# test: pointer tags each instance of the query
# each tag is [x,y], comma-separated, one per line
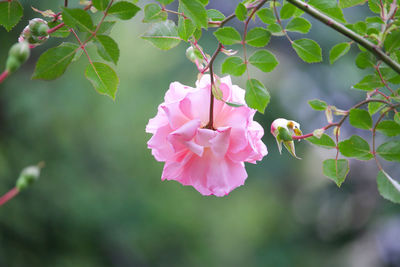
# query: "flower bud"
[20,51]
[329,115]
[35,33]
[318,133]
[336,131]
[12,64]
[283,130]
[38,27]
[228,52]
[27,177]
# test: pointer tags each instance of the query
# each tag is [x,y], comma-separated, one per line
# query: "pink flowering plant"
[205,134]
[208,157]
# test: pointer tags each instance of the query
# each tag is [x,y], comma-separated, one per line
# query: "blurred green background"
[100,200]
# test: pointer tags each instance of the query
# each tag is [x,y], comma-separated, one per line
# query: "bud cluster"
[33,35]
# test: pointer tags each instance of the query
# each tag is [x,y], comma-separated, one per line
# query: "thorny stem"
[373,139]
[59,26]
[280,23]
[8,196]
[211,113]
[383,80]
[374,49]
[81,45]
[339,123]
[246,25]
[217,51]
[55,28]
[101,22]
[173,12]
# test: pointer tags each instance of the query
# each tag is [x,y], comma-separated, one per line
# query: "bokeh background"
[100,200]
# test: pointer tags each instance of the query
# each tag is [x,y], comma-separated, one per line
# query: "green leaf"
[360,27]
[103,78]
[233,66]
[241,12]
[228,35]
[390,151]
[338,51]
[374,6]
[300,25]
[336,170]
[257,96]
[100,4]
[10,14]
[266,15]
[154,13]
[369,83]
[105,27]
[365,60]
[123,10]
[389,128]
[263,60]
[350,3]
[287,11]
[186,28]
[195,11]
[258,37]
[360,119]
[308,50]
[397,118]
[163,35]
[53,63]
[165,2]
[107,48]
[215,15]
[355,147]
[374,107]
[317,104]
[77,17]
[388,187]
[60,33]
[325,141]
[204,2]
[276,29]
[233,104]
[392,41]
[330,8]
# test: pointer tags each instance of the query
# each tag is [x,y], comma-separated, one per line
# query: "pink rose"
[212,161]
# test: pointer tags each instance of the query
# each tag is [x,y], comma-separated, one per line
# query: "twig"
[374,49]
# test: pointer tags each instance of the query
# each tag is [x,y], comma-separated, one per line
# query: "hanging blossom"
[210,160]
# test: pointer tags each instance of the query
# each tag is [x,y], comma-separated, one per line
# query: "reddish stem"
[299,137]
[3,76]
[9,195]
[56,28]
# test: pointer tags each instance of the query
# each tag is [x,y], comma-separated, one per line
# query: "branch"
[339,123]
[374,49]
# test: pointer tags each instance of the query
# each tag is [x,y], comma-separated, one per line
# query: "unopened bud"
[283,130]
[12,64]
[216,91]
[328,114]
[228,52]
[35,33]
[338,112]
[336,131]
[27,177]
[38,27]
[318,133]
[20,51]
